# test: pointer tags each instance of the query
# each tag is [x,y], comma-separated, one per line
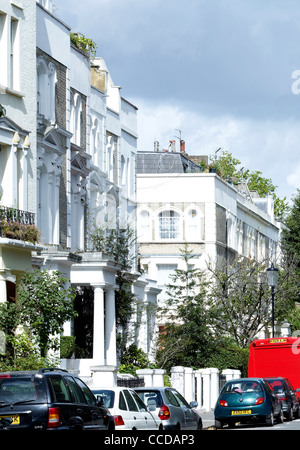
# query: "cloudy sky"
[226,73]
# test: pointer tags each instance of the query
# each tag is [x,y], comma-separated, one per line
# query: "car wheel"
[199,427]
[270,419]
[290,414]
[280,417]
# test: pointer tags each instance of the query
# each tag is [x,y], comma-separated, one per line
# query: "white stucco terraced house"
[68,151]
[178,203]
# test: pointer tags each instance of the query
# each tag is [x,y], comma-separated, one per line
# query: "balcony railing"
[18,224]
[17,215]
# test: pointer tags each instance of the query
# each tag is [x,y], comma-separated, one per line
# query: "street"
[209,422]
[287,426]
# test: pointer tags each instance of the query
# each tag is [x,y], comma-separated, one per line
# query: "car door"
[276,403]
[190,422]
[62,399]
[137,419]
[98,418]
[83,412]
[150,421]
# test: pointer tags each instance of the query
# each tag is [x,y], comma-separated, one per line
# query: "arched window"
[169,225]
[94,144]
[75,122]
[46,82]
[42,87]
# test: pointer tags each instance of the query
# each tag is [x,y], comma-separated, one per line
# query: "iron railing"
[17,215]
[130,382]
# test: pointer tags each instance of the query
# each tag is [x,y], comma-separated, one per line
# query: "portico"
[98,271]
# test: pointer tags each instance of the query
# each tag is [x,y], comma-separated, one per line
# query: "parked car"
[171,408]
[128,410]
[287,395]
[247,400]
[50,399]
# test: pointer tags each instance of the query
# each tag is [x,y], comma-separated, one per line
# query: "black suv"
[287,395]
[50,399]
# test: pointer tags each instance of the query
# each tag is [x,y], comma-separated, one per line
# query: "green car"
[247,400]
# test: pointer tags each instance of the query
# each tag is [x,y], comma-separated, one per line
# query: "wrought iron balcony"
[18,224]
[17,215]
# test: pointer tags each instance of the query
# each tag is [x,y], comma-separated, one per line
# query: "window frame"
[165,234]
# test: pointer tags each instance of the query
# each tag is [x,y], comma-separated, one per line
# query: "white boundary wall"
[202,385]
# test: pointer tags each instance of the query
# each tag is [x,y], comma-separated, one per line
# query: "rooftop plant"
[88,46]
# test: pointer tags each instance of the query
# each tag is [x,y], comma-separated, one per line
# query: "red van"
[276,357]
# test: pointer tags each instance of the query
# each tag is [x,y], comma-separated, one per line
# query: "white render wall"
[20,102]
[158,192]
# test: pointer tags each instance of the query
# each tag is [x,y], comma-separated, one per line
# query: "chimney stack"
[172,145]
[182,146]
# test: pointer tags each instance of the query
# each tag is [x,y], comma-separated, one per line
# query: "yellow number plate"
[15,419]
[276,341]
[242,412]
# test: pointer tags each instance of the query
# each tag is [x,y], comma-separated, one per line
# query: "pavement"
[208,419]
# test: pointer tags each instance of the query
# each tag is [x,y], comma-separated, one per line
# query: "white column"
[198,375]
[158,377]
[236,374]
[51,181]
[214,387]
[110,328]
[206,389]
[3,292]
[228,373]
[98,337]
[147,374]
[56,209]
[177,379]
[189,384]
[14,175]
[24,180]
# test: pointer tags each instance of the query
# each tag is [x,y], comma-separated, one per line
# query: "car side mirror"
[193,404]
[100,401]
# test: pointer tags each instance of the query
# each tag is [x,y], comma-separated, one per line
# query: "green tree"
[44,304]
[228,166]
[187,339]
[240,299]
[291,234]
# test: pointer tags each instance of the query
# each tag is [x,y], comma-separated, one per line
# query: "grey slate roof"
[165,162]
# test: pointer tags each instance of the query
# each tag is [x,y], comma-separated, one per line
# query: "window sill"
[6,90]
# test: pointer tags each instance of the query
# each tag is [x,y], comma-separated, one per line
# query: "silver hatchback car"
[174,412]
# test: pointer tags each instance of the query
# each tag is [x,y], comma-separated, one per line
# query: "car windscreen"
[150,397]
[275,384]
[242,387]
[22,389]
[107,395]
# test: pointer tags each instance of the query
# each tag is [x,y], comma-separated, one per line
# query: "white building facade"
[67,162]
[179,204]
[18,153]
[87,145]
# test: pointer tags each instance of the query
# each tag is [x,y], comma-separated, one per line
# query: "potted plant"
[214,167]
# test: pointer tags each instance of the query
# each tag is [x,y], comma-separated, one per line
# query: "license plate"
[15,419]
[242,412]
